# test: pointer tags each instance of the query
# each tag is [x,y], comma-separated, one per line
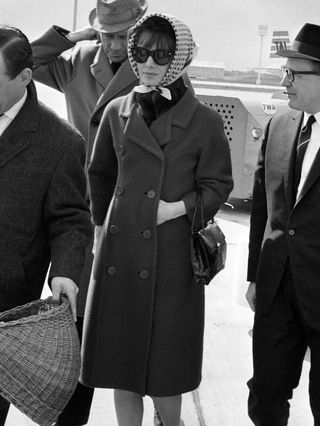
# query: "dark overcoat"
[43,213]
[283,230]
[145,316]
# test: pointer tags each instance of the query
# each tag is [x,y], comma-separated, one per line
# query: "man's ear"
[26,76]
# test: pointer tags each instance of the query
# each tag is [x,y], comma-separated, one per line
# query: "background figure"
[43,214]
[90,75]
[285,242]
[155,148]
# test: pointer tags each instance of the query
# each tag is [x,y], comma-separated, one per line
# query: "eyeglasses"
[289,73]
[160,56]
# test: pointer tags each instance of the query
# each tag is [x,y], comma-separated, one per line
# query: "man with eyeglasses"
[284,246]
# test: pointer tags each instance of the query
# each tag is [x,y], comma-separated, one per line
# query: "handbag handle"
[198,198]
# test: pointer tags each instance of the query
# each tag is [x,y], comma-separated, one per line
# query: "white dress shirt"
[312,149]
[9,115]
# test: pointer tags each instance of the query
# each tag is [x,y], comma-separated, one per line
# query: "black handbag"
[208,247]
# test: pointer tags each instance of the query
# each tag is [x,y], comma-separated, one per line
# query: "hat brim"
[287,53]
[113,28]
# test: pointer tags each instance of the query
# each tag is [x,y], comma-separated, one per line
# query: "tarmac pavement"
[222,396]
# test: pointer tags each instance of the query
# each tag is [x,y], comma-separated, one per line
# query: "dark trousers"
[280,340]
[4,408]
[77,410]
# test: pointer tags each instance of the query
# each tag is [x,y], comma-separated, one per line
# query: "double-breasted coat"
[283,229]
[43,213]
[145,316]
[83,73]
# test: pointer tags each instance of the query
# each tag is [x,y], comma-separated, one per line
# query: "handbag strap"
[199,200]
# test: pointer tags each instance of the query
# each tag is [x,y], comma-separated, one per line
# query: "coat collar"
[101,69]
[14,140]
[160,132]
[113,84]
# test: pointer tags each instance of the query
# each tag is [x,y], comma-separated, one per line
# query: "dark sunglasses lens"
[140,54]
[162,56]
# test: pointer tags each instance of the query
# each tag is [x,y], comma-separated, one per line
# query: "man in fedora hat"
[90,75]
[284,246]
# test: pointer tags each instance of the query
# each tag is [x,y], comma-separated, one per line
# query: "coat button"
[291,232]
[111,270]
[114,229]
[147,233]
[120,190]
[151,194]
[95,122]
[144,274]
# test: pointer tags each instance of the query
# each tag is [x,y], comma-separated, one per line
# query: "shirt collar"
[13,111]
[306,115]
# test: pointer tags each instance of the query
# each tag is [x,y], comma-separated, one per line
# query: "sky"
[226,31]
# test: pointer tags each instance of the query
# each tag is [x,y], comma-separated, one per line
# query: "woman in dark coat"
[154,150]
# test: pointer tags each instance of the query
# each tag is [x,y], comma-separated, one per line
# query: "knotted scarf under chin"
[163,91]
[153,102]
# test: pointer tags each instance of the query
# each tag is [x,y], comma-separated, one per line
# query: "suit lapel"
[289,140]
[313,175]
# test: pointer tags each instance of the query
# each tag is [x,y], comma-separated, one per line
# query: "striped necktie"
[302,145]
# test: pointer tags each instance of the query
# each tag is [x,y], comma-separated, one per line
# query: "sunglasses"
[289,73]
[160,56]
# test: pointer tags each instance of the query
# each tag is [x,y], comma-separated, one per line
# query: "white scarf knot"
[164,91]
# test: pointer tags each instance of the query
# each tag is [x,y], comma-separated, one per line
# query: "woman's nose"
[150,62]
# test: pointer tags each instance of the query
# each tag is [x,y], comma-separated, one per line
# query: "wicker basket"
[39,358]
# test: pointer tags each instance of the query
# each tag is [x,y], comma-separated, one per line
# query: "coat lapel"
[14,139]
[100,68]
[160,132]
[116,83]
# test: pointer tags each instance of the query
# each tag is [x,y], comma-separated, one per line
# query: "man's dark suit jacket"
[43,215]
[283,229]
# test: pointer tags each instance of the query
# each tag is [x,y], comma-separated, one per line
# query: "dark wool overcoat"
[43,213]
[144,318]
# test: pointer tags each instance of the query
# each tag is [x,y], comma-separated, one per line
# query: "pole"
[75,12]
[260,60]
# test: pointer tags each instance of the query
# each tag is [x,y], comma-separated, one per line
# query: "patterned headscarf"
[184,52]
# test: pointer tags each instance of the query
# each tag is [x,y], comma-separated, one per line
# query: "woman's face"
[151,73]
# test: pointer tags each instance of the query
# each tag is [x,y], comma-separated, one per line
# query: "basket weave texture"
[39,358]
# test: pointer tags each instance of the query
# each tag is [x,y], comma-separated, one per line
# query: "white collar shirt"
[311,151]
[8,116]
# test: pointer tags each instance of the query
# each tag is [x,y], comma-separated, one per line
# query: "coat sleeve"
[102,171]
[258,218]
[53,64]
[213,174]
[67,215]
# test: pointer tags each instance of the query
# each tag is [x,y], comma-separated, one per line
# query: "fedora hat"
[306,44]
[111,16]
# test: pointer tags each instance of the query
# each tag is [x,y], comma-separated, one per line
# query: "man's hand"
[86,33]
[62,286]
[251,295]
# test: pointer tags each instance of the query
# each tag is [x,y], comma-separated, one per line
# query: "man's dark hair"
[15,49]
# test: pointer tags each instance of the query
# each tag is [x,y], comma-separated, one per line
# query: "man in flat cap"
[90,75]
[284,247]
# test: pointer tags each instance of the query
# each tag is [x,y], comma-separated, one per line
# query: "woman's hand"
[168,211]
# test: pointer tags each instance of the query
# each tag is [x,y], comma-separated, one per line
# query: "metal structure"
[245,114]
